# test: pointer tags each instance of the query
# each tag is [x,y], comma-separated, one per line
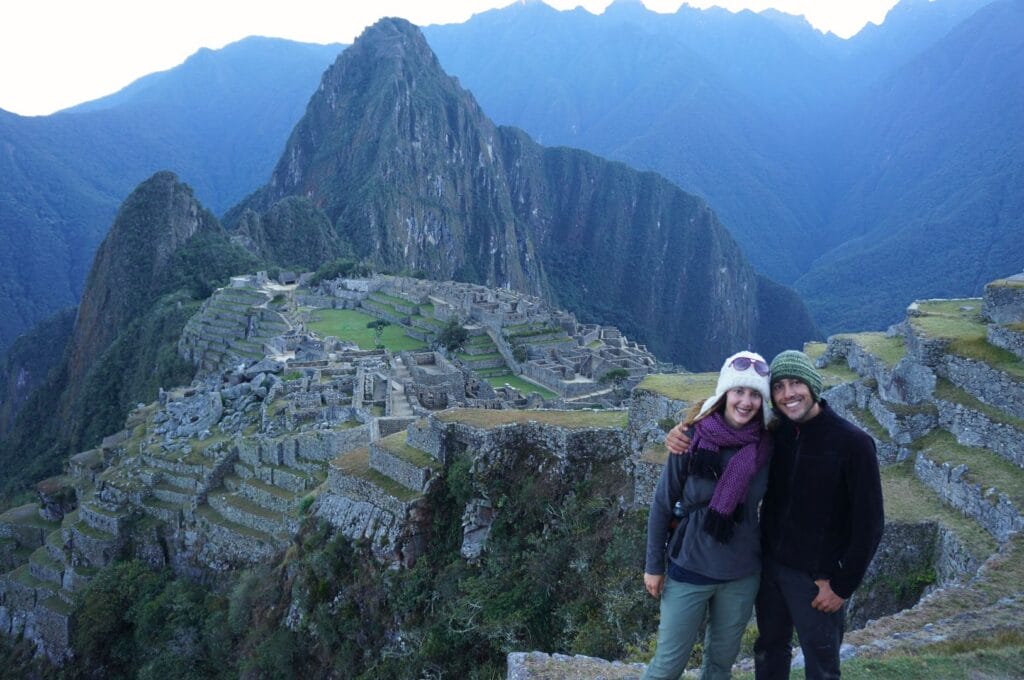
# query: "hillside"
[395,163]
[219,121]
[933,172]
[163,254]
[329,525]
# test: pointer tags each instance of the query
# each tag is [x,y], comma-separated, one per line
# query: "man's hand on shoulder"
[676,440]
[826,601]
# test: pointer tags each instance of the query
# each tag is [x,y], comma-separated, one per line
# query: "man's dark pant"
[784,601]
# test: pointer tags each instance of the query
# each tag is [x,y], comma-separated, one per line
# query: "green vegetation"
[470,358]
[521,384]
[868,421]
[1000,656]
[965,332]
[949,392]
[340,267]
[688,387]
[888,349]
[908,500]
[453,336]
[479,417]
[349,324]
[983,467]
[133,622]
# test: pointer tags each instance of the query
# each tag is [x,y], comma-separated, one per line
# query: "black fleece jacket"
[823,509]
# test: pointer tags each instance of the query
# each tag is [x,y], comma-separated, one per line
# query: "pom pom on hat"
[730,376]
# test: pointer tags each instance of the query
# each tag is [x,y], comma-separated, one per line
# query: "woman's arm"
[669,490]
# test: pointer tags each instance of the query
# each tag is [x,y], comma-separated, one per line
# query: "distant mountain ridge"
[774,123]
[761,115]
[407,171]
[219,121]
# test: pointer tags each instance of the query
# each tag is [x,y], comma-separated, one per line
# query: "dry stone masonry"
[218,475]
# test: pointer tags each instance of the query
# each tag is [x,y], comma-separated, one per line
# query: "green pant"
[683,608]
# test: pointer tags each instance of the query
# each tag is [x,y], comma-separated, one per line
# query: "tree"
[453,336]
[378,326]
[616,377]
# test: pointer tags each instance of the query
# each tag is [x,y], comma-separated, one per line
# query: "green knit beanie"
[794,364]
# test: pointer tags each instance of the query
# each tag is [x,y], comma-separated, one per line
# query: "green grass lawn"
[349,324]
[889,350]
[965,331]
[524,386]
[487,417]
[688,387]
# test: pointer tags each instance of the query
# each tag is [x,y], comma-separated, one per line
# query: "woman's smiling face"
[742,404]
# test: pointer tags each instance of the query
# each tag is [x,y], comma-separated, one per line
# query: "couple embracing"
[786,511]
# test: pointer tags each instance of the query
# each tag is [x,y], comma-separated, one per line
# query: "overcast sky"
[57,53]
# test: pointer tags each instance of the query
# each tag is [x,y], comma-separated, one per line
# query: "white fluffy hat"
[731,376]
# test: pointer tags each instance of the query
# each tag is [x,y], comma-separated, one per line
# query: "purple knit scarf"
[712,434]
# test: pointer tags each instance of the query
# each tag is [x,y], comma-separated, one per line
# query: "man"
[821,521]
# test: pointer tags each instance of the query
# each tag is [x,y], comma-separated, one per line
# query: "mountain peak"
[396,164]
[391,37]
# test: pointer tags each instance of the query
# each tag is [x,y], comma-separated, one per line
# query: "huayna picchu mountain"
[163,254]
[395,163]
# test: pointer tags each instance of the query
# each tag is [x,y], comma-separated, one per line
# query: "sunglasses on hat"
[743,363]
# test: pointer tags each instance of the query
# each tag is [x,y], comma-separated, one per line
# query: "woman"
[714,554]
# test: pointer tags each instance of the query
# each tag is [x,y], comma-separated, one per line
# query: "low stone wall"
[991,386]
[1004,300]
[402,471]
[316,445]
[646,409]
[953,560]
[380,311]
[428,435]
[993,511]
[554,382]
[1010,340]
[220,549]
[541,666]
[922,349]
[646,474]
[973,428]
[358,489]
[111,523]
[382,427]
[904,426]
[899,573]
[91,549]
